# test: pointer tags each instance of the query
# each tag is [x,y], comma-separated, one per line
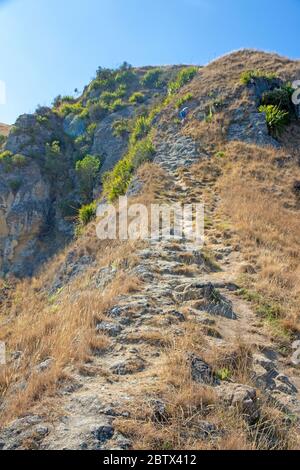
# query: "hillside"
[154,344]
[4,129]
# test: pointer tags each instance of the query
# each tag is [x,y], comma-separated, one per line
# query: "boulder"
[242,397]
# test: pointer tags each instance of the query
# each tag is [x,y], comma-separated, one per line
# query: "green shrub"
[220,154]
[2,139]
[97,111]
[121,128]
[72,108]
[224,374]
[15,184]
[87,213]
[125,76]
[279,97]
[116,182]
[184,99]
[5,155]
[11,161]
[141,128]
[87,170]
[42,119]
[143,152]
[6,160]
[59,100]
[210,114]
[55,165]
[104,73]
[91,129]
[250,75]
[151,78]
[184,76]
[117,105]
[137,97]
[107,97]
[19,161]
[276,118]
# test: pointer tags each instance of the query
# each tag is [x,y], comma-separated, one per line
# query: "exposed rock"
[23,215]
[112,329]
[129,366]
[110,147]
[267,377]
[29,137]
[201,372]
[74,126]
[45,365]
[159,414]
[242,397]
[102,433]
[21,430]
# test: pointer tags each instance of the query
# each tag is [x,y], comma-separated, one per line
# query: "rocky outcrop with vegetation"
[154,344]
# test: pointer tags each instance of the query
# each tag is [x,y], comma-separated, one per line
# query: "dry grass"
[42,324]
[257,195]
[63,330]
[188,405]
[4,129]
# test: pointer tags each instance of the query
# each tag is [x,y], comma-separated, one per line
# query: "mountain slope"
[151,344]
[4,129]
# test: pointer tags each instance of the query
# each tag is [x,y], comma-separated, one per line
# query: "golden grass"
[61,325]
[257,195]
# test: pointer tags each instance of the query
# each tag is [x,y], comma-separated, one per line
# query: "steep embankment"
[152,344]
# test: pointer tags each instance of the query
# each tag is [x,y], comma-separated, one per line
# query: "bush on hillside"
[279,97]
[19,161]
[184,76]
[141,128]
[249,75]
[137,97]
[11,162]
[276,118]
[151,79]
[87,213]
[184,99]
[91,129]
[55,165]
[72,108]
[116,182]
[125,76]
[87,170]
[121,128]
[143,152]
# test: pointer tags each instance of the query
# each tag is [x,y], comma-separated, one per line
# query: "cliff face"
[40,192]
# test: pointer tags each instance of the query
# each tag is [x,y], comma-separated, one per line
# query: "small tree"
[87,170]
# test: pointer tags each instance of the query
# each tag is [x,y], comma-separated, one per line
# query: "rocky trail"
[180,287]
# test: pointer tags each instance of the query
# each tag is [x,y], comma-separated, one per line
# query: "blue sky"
[51,47]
